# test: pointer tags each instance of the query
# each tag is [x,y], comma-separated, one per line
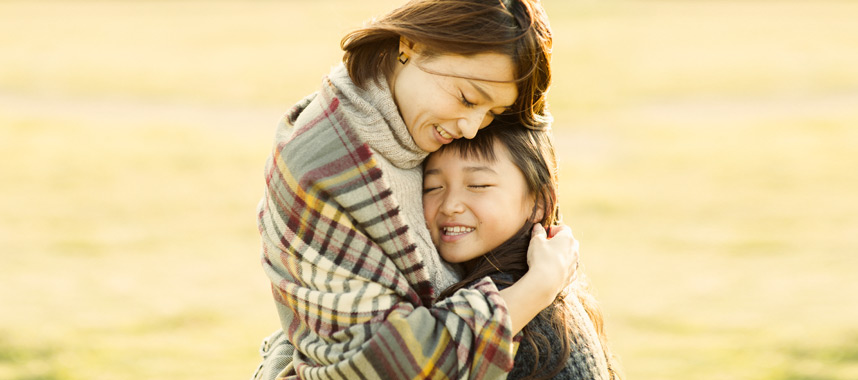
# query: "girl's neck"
[509,257]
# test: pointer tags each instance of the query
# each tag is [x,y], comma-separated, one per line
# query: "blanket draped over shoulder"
[350,287]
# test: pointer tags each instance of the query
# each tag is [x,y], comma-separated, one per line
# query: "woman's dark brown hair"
[532,152]
[516,28]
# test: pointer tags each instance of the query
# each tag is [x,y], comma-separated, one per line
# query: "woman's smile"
[444,133]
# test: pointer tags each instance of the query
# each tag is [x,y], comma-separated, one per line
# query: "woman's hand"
[554,259]
[553,262]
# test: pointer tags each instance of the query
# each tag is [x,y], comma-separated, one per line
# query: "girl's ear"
[538,211]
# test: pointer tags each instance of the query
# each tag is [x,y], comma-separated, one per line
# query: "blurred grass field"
[708,165]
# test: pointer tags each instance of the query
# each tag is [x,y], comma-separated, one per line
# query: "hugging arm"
[353,314]
[349,286]
[380,328]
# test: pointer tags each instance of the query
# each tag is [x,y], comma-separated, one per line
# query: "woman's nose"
[486,121]
[471,124]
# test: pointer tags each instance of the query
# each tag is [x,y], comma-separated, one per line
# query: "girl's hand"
[553,260]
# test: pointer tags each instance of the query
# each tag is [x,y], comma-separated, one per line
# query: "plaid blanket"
[350,287]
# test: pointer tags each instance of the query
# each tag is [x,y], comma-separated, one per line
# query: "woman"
[345,246]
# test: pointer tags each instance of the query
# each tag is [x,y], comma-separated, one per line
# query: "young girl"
[481,199]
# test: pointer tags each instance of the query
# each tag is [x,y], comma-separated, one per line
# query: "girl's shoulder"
[504,280]
[526,357]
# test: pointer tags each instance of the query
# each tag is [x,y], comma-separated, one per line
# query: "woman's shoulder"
[323,112]
[291,116]
[314,131]
[316,114]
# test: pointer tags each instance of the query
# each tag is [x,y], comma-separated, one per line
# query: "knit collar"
[376,119]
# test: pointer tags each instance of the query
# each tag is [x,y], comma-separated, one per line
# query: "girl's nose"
[451,205]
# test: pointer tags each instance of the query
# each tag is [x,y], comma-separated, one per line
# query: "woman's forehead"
[483,67]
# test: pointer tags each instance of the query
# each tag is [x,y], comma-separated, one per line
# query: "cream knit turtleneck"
[376,119]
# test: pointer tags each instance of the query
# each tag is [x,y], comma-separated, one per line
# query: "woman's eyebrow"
[481,90]
[484,93]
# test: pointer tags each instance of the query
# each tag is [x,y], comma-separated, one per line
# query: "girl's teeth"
[458,230]
[443,133]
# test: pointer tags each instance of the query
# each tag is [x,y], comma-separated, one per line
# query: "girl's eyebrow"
[482,168]
[469,169]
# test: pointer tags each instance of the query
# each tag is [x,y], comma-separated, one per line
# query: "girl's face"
[447,97]
[471,206]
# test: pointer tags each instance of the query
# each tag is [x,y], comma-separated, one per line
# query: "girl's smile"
[451,234]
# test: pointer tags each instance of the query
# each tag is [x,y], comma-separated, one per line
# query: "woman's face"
[471,205]
[446,97]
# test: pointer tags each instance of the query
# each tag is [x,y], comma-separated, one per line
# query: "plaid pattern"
[351,290]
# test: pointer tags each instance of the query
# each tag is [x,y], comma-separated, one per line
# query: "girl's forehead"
[490,153]
[454,155]
[454,159]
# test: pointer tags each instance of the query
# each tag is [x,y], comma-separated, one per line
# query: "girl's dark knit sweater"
[586,359]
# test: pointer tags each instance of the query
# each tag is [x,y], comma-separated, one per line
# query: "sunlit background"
[708,156]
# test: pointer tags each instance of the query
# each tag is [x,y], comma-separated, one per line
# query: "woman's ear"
[406,46]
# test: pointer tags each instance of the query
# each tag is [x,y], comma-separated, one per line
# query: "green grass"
[707,165]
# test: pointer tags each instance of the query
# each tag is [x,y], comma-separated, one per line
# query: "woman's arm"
[349,286]
[349,322]
[351,289]
[522,302]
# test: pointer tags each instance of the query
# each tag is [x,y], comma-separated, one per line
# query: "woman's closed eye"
[465,101]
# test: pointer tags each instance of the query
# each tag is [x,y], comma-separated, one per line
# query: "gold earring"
[403,58]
